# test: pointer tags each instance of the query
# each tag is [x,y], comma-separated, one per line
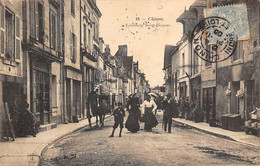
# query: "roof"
[128,63]
[198,3]
[167,58]
[186,15]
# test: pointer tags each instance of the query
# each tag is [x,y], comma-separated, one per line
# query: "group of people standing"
[145,112]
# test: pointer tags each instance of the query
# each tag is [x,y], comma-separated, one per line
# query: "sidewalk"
[27,151]
[241,137]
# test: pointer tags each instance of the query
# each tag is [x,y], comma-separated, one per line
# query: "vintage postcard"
[129,82]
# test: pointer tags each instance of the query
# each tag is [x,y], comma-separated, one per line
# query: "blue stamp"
[238,28]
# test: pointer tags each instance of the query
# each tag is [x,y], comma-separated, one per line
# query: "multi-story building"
[175,69]
[72,61]
[89,46]
[12,70]
[167,68]
[240,73]
[43,53]
[224,87]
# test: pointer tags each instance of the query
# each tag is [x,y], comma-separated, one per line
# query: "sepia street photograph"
[129,82]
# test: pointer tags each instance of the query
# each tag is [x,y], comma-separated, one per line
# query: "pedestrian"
[149,108]
[92,105]
[170,109]
[26,120]
[119,115]
[132,122]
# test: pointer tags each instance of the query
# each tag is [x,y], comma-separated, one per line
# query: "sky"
[145,26]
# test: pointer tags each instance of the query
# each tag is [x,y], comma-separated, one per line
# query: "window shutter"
[71,48]
[17,21]
[2,29]
[2,16]
[36,20]
[75,56]
[51,33]
[58,32]
[17,41]
[32,25]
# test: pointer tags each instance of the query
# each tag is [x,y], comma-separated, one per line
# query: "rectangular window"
[239,51]
[89,39]
[10,35]
[40,22]
[32,21]
[73,7]
[85,35]
[2,28]
[207,63]
[73,46]
[195,66]
[183,63]
[53,29]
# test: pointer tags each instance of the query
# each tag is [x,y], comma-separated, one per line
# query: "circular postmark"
[213,39]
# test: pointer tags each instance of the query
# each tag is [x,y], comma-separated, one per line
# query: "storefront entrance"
[42,97]
[209,103]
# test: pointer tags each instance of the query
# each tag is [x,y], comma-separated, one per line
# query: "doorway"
[209,103]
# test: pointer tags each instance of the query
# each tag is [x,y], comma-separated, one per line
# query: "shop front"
[40,90]
[73,86]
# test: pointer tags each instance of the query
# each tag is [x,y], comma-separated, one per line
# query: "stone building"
[43,53]
[72,61]
[167,68]
[12,69]
[90,44]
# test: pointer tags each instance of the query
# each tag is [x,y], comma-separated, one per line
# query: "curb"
[218,135]
[60,137]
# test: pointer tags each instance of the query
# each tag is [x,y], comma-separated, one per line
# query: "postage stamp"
[216,28]
[236,15]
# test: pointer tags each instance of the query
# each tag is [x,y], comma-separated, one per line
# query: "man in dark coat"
[92,105]
[170,109]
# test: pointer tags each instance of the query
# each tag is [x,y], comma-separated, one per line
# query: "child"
[119,114]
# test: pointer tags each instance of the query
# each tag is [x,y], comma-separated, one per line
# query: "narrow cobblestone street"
[184,146]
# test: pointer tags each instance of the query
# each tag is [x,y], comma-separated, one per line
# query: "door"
[43,97]
[209,103]
[76,98]
[68,99]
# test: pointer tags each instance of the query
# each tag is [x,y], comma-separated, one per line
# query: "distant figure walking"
[119,115]
[132,123]
[170,110]
[92,106]
[150,120]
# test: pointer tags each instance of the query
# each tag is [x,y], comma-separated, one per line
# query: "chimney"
[123,49]
[107,49]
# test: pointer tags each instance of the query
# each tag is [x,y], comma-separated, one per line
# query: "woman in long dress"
[150,120]
[132,122]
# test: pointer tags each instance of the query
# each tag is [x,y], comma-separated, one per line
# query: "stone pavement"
[27,151]
[241,136]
